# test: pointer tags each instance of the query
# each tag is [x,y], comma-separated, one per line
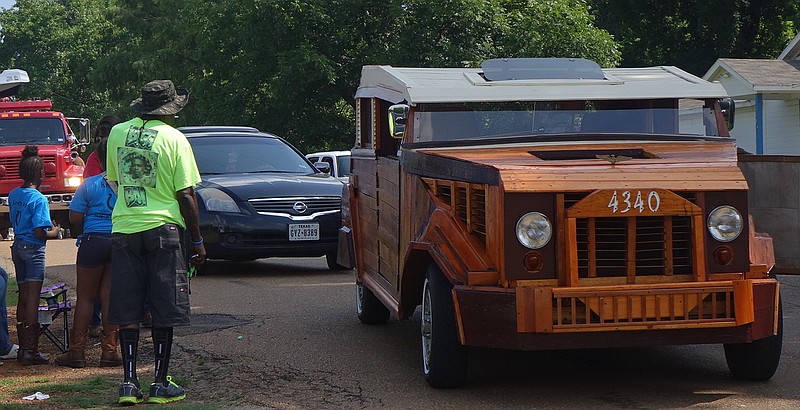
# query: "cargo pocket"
[181,289]
[169,238]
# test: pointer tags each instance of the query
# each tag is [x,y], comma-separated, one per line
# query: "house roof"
[431,85]
[765,72]
[757,75]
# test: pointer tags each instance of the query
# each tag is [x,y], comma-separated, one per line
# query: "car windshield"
[443,122]
[228,155]
[38,131]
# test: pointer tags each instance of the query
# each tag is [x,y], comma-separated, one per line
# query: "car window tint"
[223,155]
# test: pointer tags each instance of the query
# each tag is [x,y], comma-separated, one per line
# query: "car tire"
[370,310]
[444,358]
[332,264]
[758,360]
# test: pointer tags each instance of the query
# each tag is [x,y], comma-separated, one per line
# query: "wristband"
[200,242]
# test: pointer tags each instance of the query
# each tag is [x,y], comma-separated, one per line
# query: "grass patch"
[91,392]
[12,295]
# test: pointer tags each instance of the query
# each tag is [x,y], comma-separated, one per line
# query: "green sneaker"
[160,393]
[130,393]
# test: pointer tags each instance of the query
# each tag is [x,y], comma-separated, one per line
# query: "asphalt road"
[282,333]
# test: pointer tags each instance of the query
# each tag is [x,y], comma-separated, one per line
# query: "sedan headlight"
[534,230]
[217,201]
[725,223]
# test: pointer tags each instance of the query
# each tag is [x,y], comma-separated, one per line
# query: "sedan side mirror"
[323,167]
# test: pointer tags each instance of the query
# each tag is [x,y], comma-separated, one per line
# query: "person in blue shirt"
[30,218]
[91,208]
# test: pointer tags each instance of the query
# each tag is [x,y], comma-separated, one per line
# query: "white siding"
[781,127]
[744,128]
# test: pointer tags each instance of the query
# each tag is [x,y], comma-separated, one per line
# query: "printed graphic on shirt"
[134,196]
[137,167]
[141,138]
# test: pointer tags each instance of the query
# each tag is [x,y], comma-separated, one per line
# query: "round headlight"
[725,223]
[534,230]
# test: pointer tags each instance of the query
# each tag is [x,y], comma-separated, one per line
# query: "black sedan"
[260,197]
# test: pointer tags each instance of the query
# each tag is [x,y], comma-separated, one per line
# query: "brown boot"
[76,356]
[108,343]
[29,345]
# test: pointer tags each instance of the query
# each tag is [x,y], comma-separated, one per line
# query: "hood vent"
[603,154]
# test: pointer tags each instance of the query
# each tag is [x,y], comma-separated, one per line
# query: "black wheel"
[331,260]
[757,360]
[370,310]
[444,359]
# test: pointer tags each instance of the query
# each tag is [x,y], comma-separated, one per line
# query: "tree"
[57,43]
[692,34]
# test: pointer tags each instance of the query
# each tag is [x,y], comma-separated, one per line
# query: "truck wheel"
[444,359]
[756,360]
[370,310]
[331,260]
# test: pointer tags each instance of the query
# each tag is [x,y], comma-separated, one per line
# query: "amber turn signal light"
[723,255]
[533,261]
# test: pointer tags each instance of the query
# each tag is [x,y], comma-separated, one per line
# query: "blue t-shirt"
[29,210]
[95,200]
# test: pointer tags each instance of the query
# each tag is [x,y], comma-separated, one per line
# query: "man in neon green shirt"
[154,168]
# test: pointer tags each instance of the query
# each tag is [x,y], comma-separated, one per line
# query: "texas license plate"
[303,232]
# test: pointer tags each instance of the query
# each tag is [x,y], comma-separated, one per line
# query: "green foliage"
[290,67]
[692,34]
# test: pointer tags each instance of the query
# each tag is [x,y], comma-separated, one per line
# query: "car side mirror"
[84,129]
[728,108]
[397,120]
[323,167]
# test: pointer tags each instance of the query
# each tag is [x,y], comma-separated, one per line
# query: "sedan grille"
[301,206]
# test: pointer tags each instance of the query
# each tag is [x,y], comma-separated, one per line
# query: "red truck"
[34,122]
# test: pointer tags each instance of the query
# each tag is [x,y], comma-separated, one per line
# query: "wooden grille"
[652,308]
[661,246]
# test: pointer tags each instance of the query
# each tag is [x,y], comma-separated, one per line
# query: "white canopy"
[442,85]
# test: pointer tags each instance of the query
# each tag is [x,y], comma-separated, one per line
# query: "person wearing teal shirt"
[30,218]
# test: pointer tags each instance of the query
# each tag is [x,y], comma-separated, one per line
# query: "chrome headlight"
[217,201]
[725,223]
[534,230]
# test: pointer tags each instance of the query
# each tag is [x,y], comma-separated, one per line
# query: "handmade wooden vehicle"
[551,204]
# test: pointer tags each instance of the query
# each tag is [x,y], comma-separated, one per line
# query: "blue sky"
[6,3]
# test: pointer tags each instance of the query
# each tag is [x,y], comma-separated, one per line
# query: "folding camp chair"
[55,307]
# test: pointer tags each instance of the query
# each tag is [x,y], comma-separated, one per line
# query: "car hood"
[250,186]
[675,165]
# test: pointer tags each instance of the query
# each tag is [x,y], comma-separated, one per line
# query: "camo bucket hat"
[160,97]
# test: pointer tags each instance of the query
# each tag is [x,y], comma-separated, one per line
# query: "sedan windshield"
[37,131]
[227,155]
[488,120]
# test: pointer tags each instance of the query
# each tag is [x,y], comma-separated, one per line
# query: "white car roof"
[443,85]
[334,153]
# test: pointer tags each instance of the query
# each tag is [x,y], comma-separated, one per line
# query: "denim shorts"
[151,263]
[28,261]
[94,250]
